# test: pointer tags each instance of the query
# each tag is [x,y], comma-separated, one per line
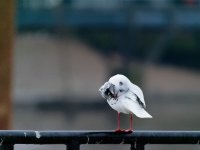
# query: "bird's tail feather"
[139,111]
[133,106]
[143,114]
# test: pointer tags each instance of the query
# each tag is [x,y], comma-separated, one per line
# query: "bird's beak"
[108,88]
[112,90]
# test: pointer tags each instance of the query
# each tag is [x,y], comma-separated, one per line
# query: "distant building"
[45,67]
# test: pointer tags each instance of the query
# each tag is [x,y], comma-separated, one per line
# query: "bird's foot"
[119,131]
[128,131]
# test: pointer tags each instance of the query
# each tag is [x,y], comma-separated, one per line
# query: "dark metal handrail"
[73,139]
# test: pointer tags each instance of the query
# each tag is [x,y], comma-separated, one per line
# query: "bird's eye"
[120,83]
[121,90]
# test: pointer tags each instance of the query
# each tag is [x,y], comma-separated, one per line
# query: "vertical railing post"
[6,147]
[137,146]
[6,46]
[73,145]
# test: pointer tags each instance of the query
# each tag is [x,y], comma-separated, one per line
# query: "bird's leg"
[118,123]
[131,124]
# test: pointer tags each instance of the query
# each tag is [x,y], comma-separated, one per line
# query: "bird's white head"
[120,85]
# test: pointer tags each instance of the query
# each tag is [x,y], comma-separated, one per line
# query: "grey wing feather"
[140,102]
[138,92]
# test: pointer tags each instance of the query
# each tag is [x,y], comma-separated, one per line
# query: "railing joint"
[73,145]
[137,146]
[6,146]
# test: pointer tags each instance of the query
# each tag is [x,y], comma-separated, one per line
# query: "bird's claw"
[128,131]
[119,131]
[123,131]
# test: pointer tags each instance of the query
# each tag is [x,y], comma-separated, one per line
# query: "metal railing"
[73,139]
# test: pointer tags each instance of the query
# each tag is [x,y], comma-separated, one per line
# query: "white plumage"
[124,96]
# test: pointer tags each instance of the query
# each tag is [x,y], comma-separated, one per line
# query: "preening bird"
[124,97]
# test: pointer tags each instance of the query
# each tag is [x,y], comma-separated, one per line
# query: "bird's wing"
[105,92]
[102,90]
[138,92]
[131,104]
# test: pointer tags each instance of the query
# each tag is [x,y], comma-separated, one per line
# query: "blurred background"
[55,54]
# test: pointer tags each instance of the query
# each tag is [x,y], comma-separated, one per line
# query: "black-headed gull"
[124,97]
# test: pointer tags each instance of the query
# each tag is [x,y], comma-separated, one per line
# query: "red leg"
[131,124]
[118,123]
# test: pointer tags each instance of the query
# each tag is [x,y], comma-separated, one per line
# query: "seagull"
[124,97]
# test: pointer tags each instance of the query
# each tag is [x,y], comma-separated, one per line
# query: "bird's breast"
[117,104]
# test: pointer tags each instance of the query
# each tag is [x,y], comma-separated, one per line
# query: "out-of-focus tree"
[6,44]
